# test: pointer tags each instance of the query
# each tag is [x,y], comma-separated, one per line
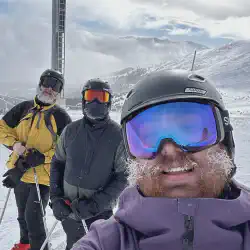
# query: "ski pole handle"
[67,202]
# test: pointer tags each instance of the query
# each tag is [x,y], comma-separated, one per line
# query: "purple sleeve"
[103,235]
[89,242]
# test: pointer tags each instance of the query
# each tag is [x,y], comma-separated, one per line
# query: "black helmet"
[52,73]
[97,84]
[160,87]
[90,110]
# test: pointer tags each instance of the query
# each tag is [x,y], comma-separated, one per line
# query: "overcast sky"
[25,26]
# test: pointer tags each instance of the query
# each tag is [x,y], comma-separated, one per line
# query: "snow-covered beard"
[212,173]
[48,99]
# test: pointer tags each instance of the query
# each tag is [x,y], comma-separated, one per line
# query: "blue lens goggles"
[193,126]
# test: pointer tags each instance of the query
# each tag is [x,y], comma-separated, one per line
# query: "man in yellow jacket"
[30,130]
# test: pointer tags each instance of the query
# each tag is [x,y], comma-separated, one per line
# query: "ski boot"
[21,246]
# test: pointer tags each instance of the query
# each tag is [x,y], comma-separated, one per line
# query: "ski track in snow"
[9,229]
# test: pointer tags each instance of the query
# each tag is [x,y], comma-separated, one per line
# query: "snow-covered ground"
[240,116]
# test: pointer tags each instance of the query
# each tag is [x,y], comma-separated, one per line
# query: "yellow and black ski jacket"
[36,126]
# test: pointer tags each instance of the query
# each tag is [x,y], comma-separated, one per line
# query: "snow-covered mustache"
[138,170]
[218,162]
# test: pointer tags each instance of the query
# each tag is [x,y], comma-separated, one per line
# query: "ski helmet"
[52,73]
[172,85]
[98,84]
[96,111]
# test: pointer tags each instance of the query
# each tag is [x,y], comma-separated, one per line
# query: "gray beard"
[48,99]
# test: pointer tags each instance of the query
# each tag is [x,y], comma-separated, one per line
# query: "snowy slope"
[152,50]
[228,66]
[9,231]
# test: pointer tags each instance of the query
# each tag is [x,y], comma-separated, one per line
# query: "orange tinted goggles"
[90,95]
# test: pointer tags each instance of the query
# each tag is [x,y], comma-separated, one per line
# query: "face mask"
[96,110]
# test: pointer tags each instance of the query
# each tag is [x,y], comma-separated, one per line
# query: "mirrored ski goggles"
[90,95]
[50,82]
[192,126]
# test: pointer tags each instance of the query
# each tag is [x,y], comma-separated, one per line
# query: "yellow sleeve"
[8,135]
[10,121]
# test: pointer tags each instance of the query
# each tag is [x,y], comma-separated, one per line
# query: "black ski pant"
[74,229]
[30,217]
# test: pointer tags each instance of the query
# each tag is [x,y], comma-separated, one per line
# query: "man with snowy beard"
[182,195]
[30,130]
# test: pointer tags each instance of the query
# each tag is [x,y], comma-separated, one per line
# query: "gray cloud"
[26,48]
[214,9]
[25,40]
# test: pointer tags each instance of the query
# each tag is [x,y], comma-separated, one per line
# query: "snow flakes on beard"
[138,170]
[214,179]
[49,99]
[219,162]
[219,165]
[151,169]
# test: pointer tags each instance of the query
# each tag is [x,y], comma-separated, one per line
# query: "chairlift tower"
[58,37]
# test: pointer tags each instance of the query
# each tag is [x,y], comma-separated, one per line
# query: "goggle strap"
[226,121]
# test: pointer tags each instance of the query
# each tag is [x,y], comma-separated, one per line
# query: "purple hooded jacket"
[172,224]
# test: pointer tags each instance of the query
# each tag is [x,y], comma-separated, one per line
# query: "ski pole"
[83,221]
[41,205]
[49,235]
[85,226]
[5,205]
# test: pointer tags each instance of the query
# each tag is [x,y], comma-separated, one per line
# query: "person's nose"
[170,149]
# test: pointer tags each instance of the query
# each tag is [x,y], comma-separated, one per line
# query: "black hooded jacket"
[89,163]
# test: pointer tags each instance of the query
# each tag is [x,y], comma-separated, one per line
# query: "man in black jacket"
[88,168]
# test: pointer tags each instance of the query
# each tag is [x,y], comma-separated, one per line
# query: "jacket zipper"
[81,171]
[188,237]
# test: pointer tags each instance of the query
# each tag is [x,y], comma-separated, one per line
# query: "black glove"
[84,208]
[61,209]
[14,175]
[34,158]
